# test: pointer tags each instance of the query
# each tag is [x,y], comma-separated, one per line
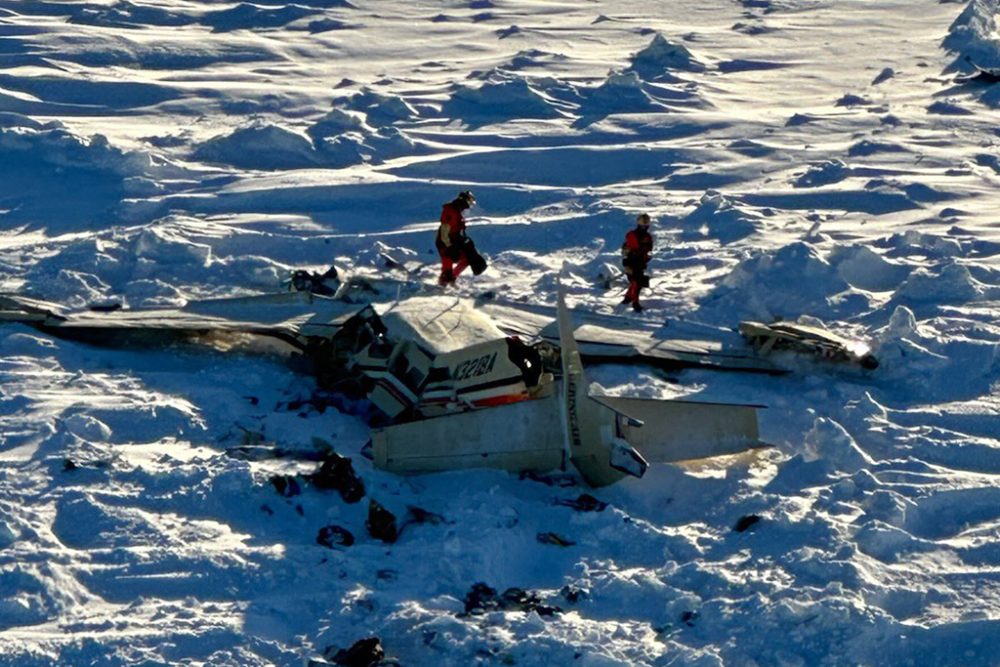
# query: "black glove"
[454,251]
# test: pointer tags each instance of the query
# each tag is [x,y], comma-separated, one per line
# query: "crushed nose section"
[398,374]
[606,438]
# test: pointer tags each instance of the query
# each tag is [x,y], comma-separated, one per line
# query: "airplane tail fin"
[599,460]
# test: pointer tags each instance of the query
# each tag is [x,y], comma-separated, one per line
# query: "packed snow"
[834,162]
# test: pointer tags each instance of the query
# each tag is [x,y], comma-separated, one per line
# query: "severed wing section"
[622,339]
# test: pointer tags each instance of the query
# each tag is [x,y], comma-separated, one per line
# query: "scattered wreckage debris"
[367,652]
[287,486]
[585,503]
[325,284]
[482,599]
[746,522]
[336,473]
[419,515]
[70,464]
[807,339]
[573,594]
[554,539]
[381,523]
[334,536]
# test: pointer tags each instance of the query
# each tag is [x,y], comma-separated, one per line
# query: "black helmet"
[467,198]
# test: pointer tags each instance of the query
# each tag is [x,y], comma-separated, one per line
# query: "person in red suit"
[451,242]
[636,250]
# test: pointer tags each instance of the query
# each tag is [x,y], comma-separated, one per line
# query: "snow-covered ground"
[836,159]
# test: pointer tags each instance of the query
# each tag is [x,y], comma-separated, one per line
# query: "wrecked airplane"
[462,383]
[605,438]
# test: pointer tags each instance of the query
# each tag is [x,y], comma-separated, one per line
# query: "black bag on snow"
[477,262]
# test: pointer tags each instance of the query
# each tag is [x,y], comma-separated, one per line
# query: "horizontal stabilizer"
[630,419]
[684,430]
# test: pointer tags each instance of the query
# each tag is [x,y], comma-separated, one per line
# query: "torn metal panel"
[605,438]
[439,354]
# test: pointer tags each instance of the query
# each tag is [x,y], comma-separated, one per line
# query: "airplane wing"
[298,316]
[287,315]
[621,339]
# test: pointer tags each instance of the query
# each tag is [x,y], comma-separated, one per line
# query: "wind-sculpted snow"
[592,166]
[130,15]
[260,147]
[830,163]
[660,56]
[94,175]
[718,217]
[825,173]
[379,109]
[150,260]
[498,99]
[972,36]
[758,288]
[626,92]
[866,269]
[338,139]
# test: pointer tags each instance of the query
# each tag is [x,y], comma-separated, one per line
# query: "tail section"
[600,457]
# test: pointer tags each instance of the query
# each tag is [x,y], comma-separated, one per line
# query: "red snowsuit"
[635,256]
[450,241]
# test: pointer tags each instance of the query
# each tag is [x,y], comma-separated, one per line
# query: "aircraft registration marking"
[474,367]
